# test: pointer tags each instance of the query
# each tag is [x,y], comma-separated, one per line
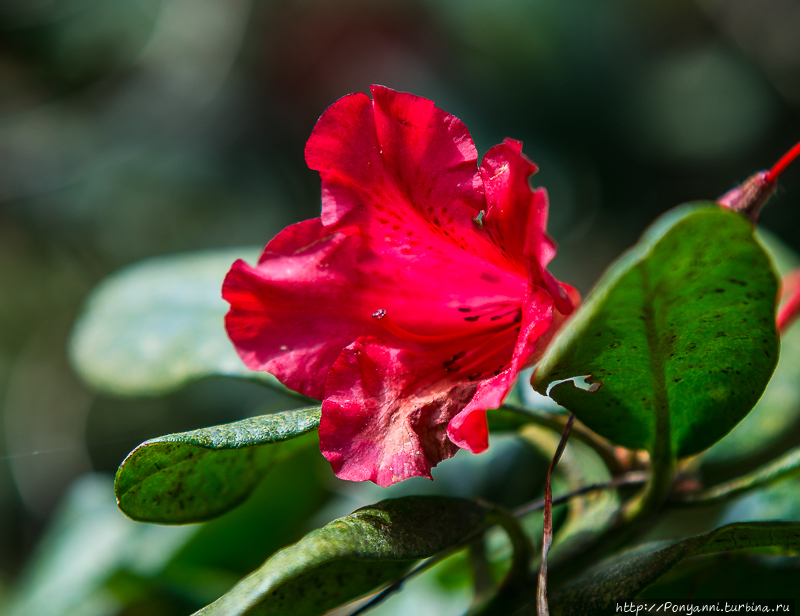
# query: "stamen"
[497,317]
[784,162]
[487,309]
[476,356]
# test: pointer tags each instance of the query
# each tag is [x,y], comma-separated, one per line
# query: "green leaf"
[624,577]
[351,556]
[232,545]
[779,408]
[679,333]
[198,475]
[157,326]
[729,576]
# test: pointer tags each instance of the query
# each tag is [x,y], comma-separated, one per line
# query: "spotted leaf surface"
[681,329]
[198,475]
[352,556]
[779,408]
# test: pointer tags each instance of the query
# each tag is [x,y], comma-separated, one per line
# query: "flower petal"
[403,171]
[555,325]
[468,429]
[385,416]
[294,313]
[313,293]
[517,216]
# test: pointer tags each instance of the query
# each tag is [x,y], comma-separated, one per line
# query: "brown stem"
[547,535]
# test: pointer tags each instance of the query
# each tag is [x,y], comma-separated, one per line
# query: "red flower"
[412,304]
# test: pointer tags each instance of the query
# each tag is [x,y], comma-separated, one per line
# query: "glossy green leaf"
[779,408]
[679,333]
[624,577]
[195,476]
[157,326]
[352,556]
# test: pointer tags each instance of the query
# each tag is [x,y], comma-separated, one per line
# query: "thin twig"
[557,421]
[626,479]
[547,533]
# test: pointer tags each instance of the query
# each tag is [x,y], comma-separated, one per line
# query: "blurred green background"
[133,128]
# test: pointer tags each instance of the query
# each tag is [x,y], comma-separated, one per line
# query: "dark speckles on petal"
[454,359]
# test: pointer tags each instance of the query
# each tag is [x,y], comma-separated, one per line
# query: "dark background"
[132,128]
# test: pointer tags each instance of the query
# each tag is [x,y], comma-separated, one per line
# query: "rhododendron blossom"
[411,305]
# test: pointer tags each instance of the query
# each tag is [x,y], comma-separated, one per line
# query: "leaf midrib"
[662,442]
